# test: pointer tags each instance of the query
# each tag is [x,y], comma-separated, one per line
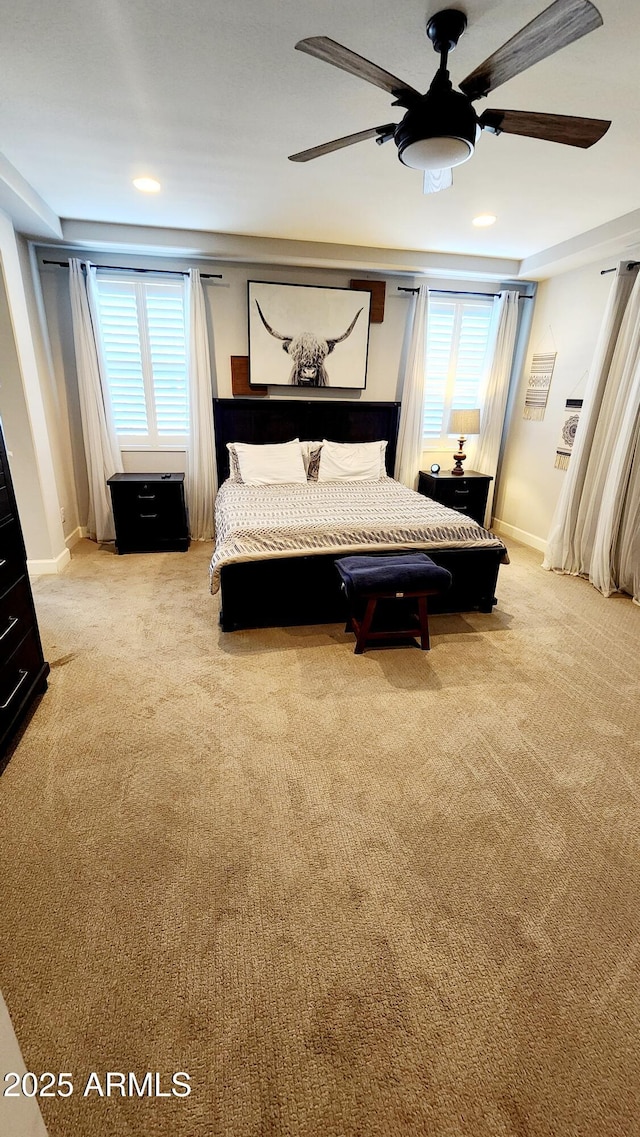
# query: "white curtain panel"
[580,525]
[409,452]
[101,448]
[616,459]
[201,458]
[627,550]
[493,399]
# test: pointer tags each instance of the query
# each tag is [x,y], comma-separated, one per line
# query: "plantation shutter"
[165,316]
[142,326]
[118,311]
[457,339]
[439,343]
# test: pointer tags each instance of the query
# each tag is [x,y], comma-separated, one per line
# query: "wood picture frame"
[308,336]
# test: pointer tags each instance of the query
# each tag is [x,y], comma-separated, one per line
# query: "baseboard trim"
[19,1116]
[501,527]
[78,534]
[49,567]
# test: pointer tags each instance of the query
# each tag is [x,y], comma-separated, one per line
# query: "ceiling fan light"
[437,153]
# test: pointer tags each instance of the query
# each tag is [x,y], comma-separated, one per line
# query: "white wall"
[24,413]
[17,432]
[567,318]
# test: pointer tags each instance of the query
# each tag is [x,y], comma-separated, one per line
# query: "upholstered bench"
[370,578]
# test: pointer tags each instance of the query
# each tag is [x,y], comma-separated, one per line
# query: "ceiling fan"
[440,128]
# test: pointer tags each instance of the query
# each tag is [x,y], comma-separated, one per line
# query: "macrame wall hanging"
[540,374]
[568,433]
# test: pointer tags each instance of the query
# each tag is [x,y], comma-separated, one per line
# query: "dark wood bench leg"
[362,629]
[424,623]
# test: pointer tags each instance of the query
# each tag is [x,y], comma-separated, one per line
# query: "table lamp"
[463,423]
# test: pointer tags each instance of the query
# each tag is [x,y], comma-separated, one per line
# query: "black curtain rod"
[630,265]
[120,268]
[452,292]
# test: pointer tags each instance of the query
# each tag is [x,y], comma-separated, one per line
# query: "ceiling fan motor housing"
[445,28]
[438,132]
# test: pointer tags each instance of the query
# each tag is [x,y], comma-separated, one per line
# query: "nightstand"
[149,512]
[467,494]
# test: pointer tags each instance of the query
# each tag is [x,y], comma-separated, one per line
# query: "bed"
[276,546]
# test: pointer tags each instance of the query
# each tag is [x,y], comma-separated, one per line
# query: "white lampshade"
[464,423]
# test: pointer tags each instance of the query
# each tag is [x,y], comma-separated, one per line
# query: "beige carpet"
[368,896]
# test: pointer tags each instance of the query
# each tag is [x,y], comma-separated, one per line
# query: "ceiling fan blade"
[559,25]
[321,47]
[573,131]
[380,132]
[436,180]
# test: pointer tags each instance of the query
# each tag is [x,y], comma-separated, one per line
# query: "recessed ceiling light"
[484,219]
[147,185]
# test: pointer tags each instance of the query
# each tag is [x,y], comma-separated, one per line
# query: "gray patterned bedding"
[262,522]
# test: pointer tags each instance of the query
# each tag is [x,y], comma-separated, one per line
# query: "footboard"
[306,590]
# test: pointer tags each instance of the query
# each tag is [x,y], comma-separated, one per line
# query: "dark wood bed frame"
[306,590]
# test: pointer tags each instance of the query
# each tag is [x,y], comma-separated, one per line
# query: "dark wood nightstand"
[467,494]
[149,512]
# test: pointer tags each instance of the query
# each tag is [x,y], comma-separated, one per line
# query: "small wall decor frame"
[540,376]
[305,335]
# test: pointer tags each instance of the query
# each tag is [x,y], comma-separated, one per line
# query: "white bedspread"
[261,522]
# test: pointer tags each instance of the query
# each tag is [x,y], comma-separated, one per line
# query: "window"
[457,340]
[142,327]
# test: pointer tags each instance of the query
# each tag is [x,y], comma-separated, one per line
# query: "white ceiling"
[210,98]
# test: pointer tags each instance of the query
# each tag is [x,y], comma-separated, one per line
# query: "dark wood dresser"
[467,494]
[23,671]
[149,512]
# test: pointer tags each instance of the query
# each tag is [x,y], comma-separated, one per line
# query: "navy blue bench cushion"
[395,572]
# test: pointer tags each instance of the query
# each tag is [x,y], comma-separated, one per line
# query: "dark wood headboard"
[280,420]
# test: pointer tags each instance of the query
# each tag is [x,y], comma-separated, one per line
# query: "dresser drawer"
[16,617]
[147,495]
[149,503]
[23,671]
[5,503]
[12,558]
[465,499]
[18,677]
[161,503]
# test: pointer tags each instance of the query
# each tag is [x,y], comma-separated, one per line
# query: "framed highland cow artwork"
[304,335]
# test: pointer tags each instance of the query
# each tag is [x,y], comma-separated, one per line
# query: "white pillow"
[270,463]
[352,461]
